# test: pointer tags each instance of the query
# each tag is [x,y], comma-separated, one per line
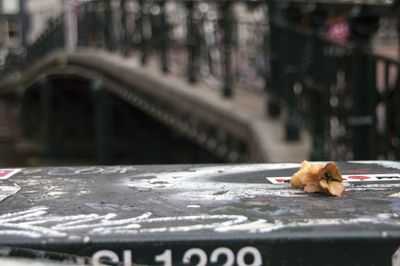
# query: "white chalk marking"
[353,178]
[20,233]
[36,222]
[213,171]
[91,170]
[261,226]
[193,206]
[16,214]
[34,229]
[56,193]
[7,191]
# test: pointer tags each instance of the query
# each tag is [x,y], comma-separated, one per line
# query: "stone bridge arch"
[228,136]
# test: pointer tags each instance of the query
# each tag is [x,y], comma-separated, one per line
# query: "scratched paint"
[71,171]
[38,222]
[353,178]
[211,199]
[212,171]
[7,173]
[191,184]
[262,226]
[8,190]
[193,206]
[65,171]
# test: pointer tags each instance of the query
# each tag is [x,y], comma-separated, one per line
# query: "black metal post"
[163,37]
[143,40]
[319,95]
[23,116]
[46,40]
[25,25]
[363,25]
[88,27]
[108,26]
[82,20]
[103,123]
[226,25]
[124,30]
[274,50]
[60,30]
[98,29]
[93,29]
[192,43]
[47,107]
[288,57]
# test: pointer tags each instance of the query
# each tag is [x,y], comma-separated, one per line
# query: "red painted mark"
[280,180]
[359,177]
[5,172]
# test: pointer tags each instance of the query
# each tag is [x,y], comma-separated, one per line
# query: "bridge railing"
[338,89]
[198,39]
[327,87]
[50,39]
[345,95]
[387,106]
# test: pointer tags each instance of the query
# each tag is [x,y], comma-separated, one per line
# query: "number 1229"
[252,254]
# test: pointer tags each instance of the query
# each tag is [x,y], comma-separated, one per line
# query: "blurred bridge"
[234,81]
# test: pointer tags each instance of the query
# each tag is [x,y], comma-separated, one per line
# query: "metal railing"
[346,96]
[199,39]
[50,39]
[343,93]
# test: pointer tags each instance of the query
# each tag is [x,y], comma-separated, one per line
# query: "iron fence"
[344,94]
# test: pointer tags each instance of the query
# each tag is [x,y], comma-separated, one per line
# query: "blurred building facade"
[21,22]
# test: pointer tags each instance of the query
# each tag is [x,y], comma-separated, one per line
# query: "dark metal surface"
[148,211]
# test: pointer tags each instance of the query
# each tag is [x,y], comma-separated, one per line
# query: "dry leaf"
[318,178]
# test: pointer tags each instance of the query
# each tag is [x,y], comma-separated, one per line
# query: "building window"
[10,6]
[13,32]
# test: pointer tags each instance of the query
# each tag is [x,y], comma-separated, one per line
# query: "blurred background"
[305,79]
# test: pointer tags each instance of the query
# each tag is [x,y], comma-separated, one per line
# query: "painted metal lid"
[172,215]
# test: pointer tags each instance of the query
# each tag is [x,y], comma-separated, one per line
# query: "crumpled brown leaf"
[319,178]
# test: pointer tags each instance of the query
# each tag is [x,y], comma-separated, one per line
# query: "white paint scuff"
[8,190]
[191,185]
[7,173]
[37,222]
[193,206]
